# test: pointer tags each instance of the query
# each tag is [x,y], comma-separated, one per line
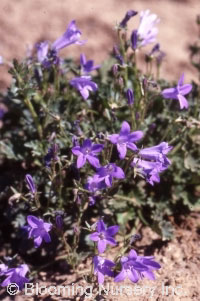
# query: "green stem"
[35,117]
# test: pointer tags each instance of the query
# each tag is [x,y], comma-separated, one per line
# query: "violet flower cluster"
[103,237]
[133,266]
[49,55]
[136,267]
[152,161]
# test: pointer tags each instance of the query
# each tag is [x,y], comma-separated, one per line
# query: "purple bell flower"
[158,161]
[102,267]
[94,186]
[151,265]
[150,170]
[87,152]
[38,230]
[108,172]
[87,66]
[137,267]
[157,153]
[147,31]
[84,84]
[103,236]
[178,92]
[125,139]
[71,36]
[15,275]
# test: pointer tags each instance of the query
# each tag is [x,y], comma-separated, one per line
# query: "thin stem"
[35,117]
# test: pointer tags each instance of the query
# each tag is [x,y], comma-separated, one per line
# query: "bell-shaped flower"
[87,66]
[87,152]
[108,172]
[71,36]
[94,186]
[125,139]
[103,236]
[130,268]
[102,267]
[178,92]
[147,31]
[38,230]
[157,153]
[137,267]
[150,170]
[84,85]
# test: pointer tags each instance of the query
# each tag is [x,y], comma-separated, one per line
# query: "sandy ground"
[24,22]
[177,280]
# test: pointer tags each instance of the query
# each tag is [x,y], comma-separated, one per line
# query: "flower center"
[122,139]
[101,236]
[87,150]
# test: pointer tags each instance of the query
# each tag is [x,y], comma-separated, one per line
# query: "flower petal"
[101,226]
[118,173]
[183,102]
[93,161]
[37,241]
[185,89]
[121,276]
[47,237]
[122,150]
[135,136]
[76,150]
[133,275]
[125,129]
[94,236]
[112,230]
[96,148]
[101,245]
[170,93]
[81,161]
[33,221]
[100,277]
[132,146]
[113,138]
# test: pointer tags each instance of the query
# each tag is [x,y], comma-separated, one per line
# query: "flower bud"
[130,96]
[115,69]
[129,14]
[30,183]
[134,38]
[59,222]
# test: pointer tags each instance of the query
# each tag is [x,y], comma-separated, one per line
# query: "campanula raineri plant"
[83,142]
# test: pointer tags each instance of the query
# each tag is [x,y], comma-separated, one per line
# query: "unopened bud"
[130,96]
